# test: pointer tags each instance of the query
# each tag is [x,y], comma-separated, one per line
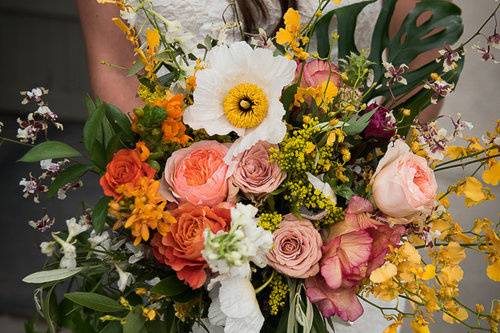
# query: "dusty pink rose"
[297,248]
[342,302]
[403,184]
[356,247]
[197,174]
[254,173]
[318,71]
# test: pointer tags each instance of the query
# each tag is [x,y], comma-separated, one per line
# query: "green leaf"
[112,327]
[170,286]
[346,25]
[69,175]
[52,275]
[98,156]
[94,301]
[49,150]
[89,104]
[357,125]
[411,40]
[289,96]
[120,123]
[319,324]
[47,300]
[136,67]
[92,130]
[134,322]
[157,326]
[100,213]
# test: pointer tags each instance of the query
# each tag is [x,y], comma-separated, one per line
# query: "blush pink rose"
[297,248]
[318,71]
[403,183]
[197,174]
[255,174]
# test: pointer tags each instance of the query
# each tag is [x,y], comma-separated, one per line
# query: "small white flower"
[1,126]
[75,228]
[101,242]
[124,278]
[48,248]
[137,253]
[153,282]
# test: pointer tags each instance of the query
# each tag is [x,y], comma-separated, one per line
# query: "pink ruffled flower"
[255,174]
[197,174]
[357,246]
[381,124]
[342,302]
[318,71]
[297,248]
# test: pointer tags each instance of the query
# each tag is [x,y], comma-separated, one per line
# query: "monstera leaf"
[444,27]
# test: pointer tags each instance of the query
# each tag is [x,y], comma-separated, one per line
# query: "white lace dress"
[200,18]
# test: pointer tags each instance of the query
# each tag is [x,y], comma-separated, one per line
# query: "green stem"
[2,139]
[463,157]
[467,163]
[258,290]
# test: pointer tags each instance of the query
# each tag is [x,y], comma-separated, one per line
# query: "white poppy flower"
[239,91]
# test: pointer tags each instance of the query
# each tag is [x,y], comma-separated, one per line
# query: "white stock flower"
[239,91]
[234,304]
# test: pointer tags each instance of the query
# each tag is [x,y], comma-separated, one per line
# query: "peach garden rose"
[403,183]
[197,174]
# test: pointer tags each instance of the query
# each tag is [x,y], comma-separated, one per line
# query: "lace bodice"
[200,18]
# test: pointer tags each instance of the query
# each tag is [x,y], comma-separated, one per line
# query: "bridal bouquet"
[269,185]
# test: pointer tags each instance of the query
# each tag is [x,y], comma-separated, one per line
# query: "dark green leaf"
[94,301]
[92,130]
[157,326]
[319,324]
[167,79]
[289,96]
[346,25]
[120,123]
[98,155]
[89,104]
[112,327]
[357,125]
[113,146]
[170,286]
[69,175]
[134,322]
[100,213]
[49,150]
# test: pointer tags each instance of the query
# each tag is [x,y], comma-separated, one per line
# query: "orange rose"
[181,247]
[126,167]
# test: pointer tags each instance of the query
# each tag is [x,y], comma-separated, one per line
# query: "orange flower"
[147,212]
[143,150]
[126,167]
[191,83]
[173,129]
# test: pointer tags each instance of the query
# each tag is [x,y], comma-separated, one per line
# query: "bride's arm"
[403,7]
[105,42]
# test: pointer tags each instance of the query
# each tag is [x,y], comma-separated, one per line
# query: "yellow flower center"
[246,105]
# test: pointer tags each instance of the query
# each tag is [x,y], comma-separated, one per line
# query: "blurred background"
[41,45]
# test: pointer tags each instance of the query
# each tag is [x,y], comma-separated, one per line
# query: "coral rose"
[197,174]
[316,72]
[297,248]
[403,184]
[254,173]
[181,247]
[126,167]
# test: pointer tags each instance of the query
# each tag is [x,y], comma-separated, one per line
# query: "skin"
[104,41]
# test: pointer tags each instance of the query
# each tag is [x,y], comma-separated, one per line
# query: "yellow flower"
[149,313]
[493,250]
[384,273]
[492,175]
[455,311]
[473,191]
[143,150]
[291,37]
[393,328]
[420,325]
[292,20]
[454,152]
[452,254]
